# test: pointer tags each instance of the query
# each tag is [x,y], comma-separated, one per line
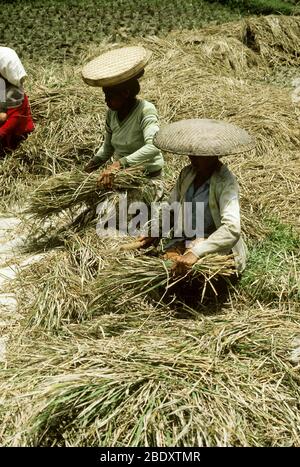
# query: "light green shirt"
[131,140]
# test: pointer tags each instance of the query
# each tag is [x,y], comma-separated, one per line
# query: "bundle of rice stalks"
[130,277]
[221,381]
[68,189]
[68,276]
[89,250]
[68,225]
[86,280]
[63,296]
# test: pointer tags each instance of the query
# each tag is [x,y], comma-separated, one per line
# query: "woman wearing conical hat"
[15,115]
[130,122]
[208,183]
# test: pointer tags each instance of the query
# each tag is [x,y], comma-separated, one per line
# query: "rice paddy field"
[97,349]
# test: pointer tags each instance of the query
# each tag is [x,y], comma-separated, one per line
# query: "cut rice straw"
[220,381]
[135,276]
[69,189]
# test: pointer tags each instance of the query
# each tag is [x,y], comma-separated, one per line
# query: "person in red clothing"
[15,114]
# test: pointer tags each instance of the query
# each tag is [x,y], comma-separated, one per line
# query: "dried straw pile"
[70,116]
[220,381]
[91,277]
[52,293]
[263,42]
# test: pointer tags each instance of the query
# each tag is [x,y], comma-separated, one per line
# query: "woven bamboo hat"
[203,137]
[116,66]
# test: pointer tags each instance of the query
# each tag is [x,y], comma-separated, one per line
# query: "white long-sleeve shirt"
[225,210]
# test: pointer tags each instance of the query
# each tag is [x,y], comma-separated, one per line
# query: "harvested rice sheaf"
[129,277]
[53,292]
[66,190]
[93,277]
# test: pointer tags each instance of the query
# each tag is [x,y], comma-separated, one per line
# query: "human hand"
[107,176]
[171,255]
[91,166]
[182,263]
[3,117]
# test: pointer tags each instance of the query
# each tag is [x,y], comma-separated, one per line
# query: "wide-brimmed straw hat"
[116,66]
[203,137]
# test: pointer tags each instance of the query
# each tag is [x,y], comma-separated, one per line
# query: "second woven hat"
[116,66]
[203,137]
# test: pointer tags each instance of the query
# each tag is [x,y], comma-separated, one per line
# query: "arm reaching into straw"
[104,153]
[182,263]
[141,242]
[106,178]
[66,190]
[92,166]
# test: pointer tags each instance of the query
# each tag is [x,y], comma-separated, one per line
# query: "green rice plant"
[58,38]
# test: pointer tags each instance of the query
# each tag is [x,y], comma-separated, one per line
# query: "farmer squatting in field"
[130,122]
[208,181]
